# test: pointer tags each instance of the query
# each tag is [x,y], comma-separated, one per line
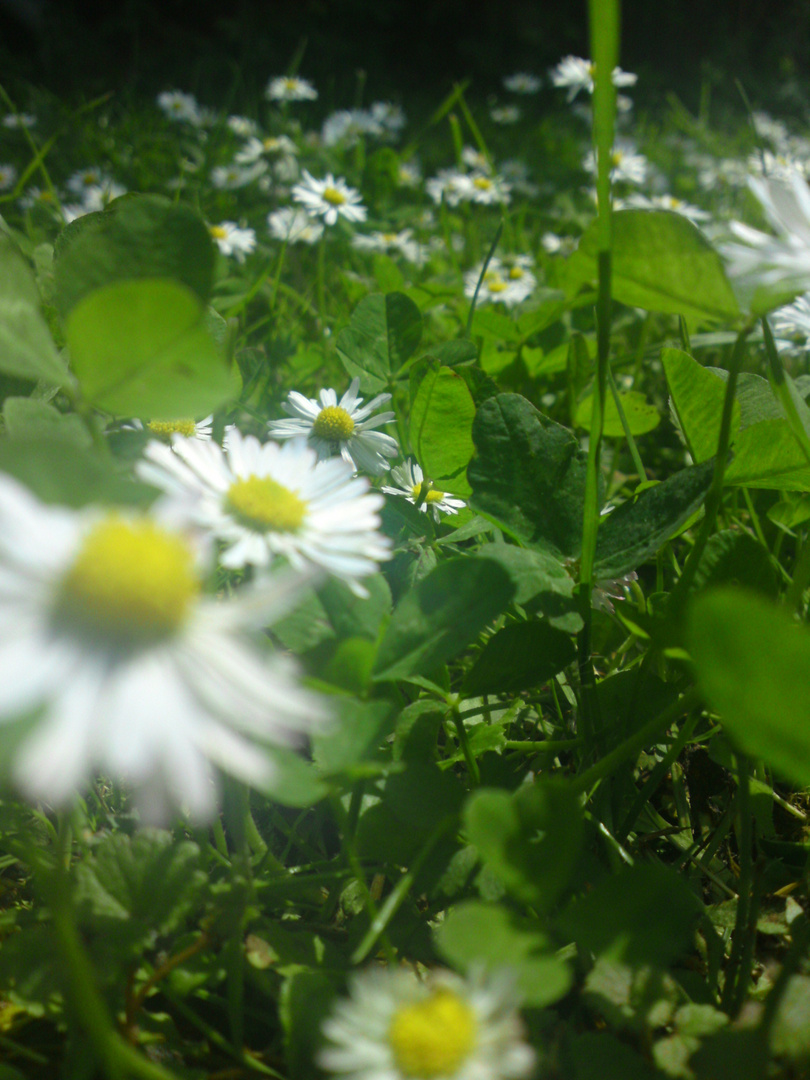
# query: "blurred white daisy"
[99,196]
[266,500]
[329,198]
[409,174]
[399,243]
[394,1026]
[270,146]
[231,240]
[294,226]
[344,427]
[83,179]
[522,82]
[242,126]
[19,120]
[447,184]
[553,244]
[626,164]
[8,177]
[476,159]
[290,88]
[389,117]
[507,283]
[505,114]
[484,189]
[791,325]
[231,177]
[111,653]
[179,106]
[637,201]
[165,429]
[409,479]
[575,73]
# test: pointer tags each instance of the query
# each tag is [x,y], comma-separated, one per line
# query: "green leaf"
[752,661]
[293,781]
[697,397]
[518,657]
[640,415]
[61,471]
[141,348]
[528,474]
[662,262]
[382,334]
[30,418]
[530,839]
[645,914]
[474,934]
[790,1034]
[353,735]
[441,423]
[140,236]
[642,525]
[440,615]
[578,370]
[356,616]
[304,1002]
[735,558]
[27,350]
[603,1057]
[542,584]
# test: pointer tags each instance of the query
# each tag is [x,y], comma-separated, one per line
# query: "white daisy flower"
[231,240]
[575,73]
[401,243]
[779,166]
[476,160]
[165,429]
[347,125]
[19,120]
[329,199]
[409,174]
[90,177]
[505,114]
[637,201]
[553,244]
[231,177]
[179,106]
[388,116]
[125,668]
[791,325]
[242,126]
[267,500]
[447,184]
[626,164]
[393,1026]
[8,177]
[522,82]
[507,283]
[269,146]
[100,196]
[37,196]
[290,88]
[487,190]
[294,226]
[345,427]
[409,479]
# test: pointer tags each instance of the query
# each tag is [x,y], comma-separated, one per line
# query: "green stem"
[628,434]
[734,973]
[472,764]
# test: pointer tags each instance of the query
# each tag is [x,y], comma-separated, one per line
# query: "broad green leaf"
[492,323]
[662,262]
[441,423]
[440,615]
[790,1035]
[140,236]
[735,558]
[752,662]
[601,1056]
[766,455]
[27,350]
[697,397]
[141,348]
[528,474]
[61,471]
[304,1002]
[645,914]
[474,934]
[293,781]
[530,839]
[532,572]
[30,418]
[355,616]
[382,334]
[640,415]
[518,657]
[642,525]
[353,735]
[578,370]
[454,353]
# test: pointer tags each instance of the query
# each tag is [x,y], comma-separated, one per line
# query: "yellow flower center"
[333,423]
[432,496]
[164,429]
[89,179]
[132,583]
[390,237]
[265,505]
[496,286]
[333,196]
[515,273]
[217,232]
[433,1037]
[616,157]
[291,84]
[482,183]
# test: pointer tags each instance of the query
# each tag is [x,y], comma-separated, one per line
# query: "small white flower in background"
[231,240]
[329,198]
[290,88]
[575,73]
[242,126]
[791,326]
[394,1026]
[389,117]
[553,244]
[19,120]
[637,201]
[626,164]
[37,196]
[101,195]
[507,282]
[409,479]
[476,160]
[447,184]
[410,174]
[345,427]
[775,131]
[124,667]
[347,125]
[783,259]
[91,177]
[516,173]
[231,177]
[401,243]
[8,177]
[269,146]
[266,500]
[179,106]
[294,226]
[485,189]
[505,114]
[165,429]
[522,82]
[775,166]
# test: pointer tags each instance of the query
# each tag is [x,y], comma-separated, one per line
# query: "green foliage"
[382,335]
[441,423]
[26,346]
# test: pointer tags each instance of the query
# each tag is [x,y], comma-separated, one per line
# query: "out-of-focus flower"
[522,82]
[637,201]
[508,283]
[8,177]
[574,74]
[329,198]
[232,177]
[625,161]
[294,226]
[290,88]
[233,240]
[399,243]
[505,114]
[179,106]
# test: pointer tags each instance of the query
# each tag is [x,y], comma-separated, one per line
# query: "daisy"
[80,181]
[553,244]
[347,125]
[637,201]
[231,177]
[8,177]
[179,106]
[242,126]
[119,663]
[505,114]
[100,196]
[231,240]
[329,199]
[574,74]
[626,164]
[389,117]
[393,1026]
[266,500]
[506,284]
[19,120]
[447,184]
[401,243]
[523,83]
[345,427]
[409,478]
[270,146]
[409,174]
[476,160]
[294,226]
[290,88]
[487,190]
[165,429]
[791,325]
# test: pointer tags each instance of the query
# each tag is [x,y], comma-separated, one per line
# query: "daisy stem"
[321,274]
[472,764]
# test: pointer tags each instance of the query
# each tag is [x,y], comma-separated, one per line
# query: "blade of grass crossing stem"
[604,27]
[790,398]
[487,261]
